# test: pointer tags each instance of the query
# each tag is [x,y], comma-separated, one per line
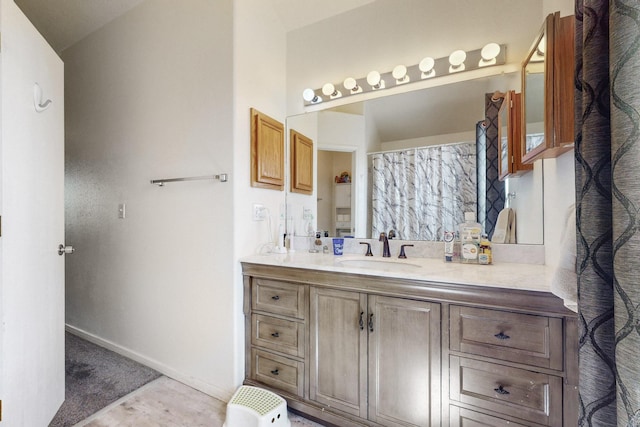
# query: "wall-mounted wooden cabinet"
[301,163]
[548,91]
[510,136]
[267,152]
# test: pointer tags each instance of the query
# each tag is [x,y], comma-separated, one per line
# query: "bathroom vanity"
[355,341]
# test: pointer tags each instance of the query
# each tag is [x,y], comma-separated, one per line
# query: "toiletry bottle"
[457,249]
[484,256]
[470,232]
[448,245]
[318,242]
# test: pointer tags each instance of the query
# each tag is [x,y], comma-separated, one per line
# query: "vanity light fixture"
[375,80]
[400,74]
[426,67]
[330,90]
[351,85]
[488,54]
[310,96]
[456,61]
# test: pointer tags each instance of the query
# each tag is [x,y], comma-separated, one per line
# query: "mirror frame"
[547,31]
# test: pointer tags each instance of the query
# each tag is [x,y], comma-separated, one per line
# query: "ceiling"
[65,22]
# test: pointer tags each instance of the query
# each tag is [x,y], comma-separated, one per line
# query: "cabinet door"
[404,362]
[343,195]
[338,370]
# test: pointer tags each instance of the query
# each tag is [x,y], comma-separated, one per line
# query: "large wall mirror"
[440,120]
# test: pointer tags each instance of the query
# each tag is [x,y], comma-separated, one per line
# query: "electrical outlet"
[259,212]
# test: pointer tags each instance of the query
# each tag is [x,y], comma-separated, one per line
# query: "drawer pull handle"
[275,297]
[371,322]
[361,321]
[275,372]
[501,390]
[502,336]
[275,335]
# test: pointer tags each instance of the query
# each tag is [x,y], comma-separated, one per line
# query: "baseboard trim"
[209,389]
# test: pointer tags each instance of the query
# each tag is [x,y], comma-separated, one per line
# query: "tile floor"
[168,403]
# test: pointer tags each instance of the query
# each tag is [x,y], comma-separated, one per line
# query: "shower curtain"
[422,192]
[607,210]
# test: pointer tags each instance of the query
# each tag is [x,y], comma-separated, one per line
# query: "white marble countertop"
[529,277]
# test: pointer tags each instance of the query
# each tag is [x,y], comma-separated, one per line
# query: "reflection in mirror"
[427,119]
[533,89]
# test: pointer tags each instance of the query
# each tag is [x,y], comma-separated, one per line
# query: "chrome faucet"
[386,253]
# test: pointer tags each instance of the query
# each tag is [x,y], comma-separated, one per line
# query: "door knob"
[62,249]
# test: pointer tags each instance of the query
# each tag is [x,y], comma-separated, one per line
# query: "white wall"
[259,82]
[149,96]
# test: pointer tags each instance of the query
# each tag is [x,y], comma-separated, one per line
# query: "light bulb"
[351,85]
[400,74]
[426,66]
[456,59]
[309,95]
[330,90]
[374,80]
[489,53]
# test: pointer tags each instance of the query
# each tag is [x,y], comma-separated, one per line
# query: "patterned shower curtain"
[607,210]
[422,192]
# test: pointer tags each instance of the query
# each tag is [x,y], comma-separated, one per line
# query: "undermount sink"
[384,264]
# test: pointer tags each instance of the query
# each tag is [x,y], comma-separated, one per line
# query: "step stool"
[256,407]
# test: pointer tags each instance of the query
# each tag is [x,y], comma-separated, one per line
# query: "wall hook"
[37,99]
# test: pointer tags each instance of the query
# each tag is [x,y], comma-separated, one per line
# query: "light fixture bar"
[441,67]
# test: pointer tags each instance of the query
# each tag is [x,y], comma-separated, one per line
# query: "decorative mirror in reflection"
[415,146]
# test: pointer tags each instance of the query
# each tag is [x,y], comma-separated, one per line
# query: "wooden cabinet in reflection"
[510,136]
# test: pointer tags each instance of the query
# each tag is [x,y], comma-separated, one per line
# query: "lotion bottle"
[470,232]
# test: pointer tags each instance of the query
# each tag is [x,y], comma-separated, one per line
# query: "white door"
[32,209]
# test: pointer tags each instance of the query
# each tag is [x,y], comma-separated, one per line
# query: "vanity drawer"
[462,417]
[284,336]
[277,371]
[515,337]
[511,391]
[278,297]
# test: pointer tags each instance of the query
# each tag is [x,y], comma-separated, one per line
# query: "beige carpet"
[167,403]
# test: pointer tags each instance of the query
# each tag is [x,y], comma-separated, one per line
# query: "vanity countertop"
[526,277]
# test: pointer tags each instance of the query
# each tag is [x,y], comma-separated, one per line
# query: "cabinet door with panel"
[376,357]
[404,362]
[338,345]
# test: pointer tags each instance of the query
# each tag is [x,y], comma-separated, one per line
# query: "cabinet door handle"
[502,336]
[275,334]
[501,390]
[371,322]
[275,297]
[275,372]
[362,321]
